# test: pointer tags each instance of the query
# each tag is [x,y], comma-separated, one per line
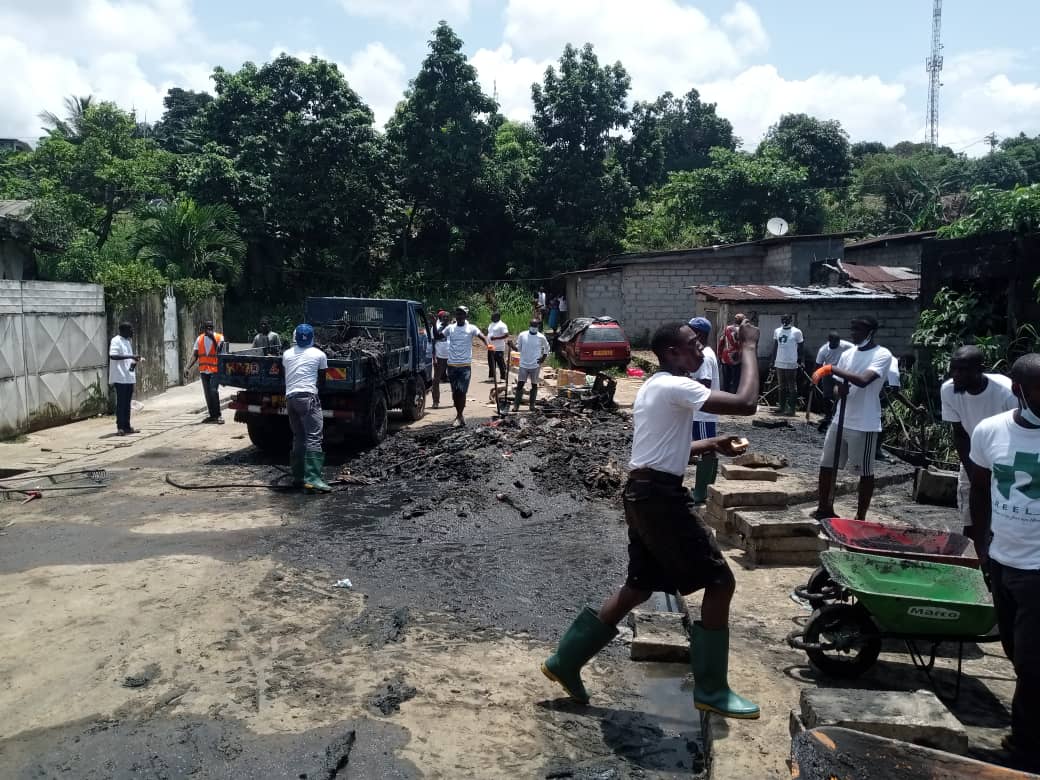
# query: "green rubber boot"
[314,462]
[707,468]
[586,637]
[534,395]
[518,396]
[297,463]
[709,660]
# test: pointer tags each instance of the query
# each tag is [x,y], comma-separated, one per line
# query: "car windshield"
[600,334]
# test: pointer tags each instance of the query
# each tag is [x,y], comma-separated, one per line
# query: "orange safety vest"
[208,360]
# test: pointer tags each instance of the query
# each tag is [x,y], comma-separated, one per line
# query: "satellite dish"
[777,226]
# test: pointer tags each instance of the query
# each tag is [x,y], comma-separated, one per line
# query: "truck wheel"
[414,406]
[270,434]
[375,428]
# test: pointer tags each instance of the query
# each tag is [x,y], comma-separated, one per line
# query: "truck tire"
[375,426]
[270,434]
[414,406]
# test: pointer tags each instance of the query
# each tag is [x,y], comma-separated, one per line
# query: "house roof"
[891,238]
[14,218]
[764,293]
[884,278]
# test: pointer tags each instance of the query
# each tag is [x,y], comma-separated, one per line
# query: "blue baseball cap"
[701,325]
[304,335]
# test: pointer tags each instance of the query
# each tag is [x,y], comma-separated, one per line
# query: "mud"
[389,699]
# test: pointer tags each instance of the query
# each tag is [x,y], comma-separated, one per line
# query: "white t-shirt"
[301,369]
[498,335]
[1012,454]
[663,415]
[532,347]
[709,370]
[788,341]
[892,376]
[828,356]
[541,299]
[863,406]
[460,343]
[119,370]
[563,305]
[969,410]
[440,348]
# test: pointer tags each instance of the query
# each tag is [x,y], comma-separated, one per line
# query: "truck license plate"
[602,352]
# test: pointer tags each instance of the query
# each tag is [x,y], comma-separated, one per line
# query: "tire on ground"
[376,424]
[414,406]
[270,434]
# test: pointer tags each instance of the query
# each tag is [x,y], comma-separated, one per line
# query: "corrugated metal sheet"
[762,292]
[900,281]
[53,352]
[892,238]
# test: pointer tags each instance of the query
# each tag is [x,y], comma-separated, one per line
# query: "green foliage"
[192,291]
[1026,151]
[1000,170]
[955,319]
[180,130]
[187,240]
[910,185]
[819,146]
[991,210]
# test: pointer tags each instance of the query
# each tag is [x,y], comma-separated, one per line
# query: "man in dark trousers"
[208,345]
[1005,515]
[305,366]
[670,548]
[122,375]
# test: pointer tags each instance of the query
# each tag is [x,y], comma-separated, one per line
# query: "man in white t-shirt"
[1005,515]
[460,335]
[122,375]
[670,549]
[440,356]
[705,423]
[968,397]
[861,372]
[533,348]
[787,359]
[498,335]
[828,355]
[304,366]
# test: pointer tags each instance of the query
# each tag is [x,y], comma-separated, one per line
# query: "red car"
[594,343]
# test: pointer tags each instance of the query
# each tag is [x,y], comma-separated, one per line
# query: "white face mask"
[532,330]
[1027,413]
[865,341]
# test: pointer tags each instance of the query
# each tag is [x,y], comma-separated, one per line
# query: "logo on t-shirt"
[783,338]
[1005,476]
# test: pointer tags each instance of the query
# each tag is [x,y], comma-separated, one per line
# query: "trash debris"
[343,583]
[636,372]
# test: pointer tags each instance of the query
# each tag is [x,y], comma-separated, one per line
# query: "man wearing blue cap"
[705,423]
[305,366]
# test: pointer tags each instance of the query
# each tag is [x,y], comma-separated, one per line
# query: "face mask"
[1027,413]
[865,341]
[532,330]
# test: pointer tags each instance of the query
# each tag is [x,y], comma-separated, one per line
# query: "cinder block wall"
[896,255]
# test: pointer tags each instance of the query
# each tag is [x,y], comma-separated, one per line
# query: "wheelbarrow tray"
[920,544]
[917,598]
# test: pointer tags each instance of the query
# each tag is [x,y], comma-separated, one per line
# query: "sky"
[861,63]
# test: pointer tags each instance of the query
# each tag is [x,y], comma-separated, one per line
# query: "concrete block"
[771,544]
[776,522]
[733,471]
[918,716]
[783,557]
[757,459]
[659,636]
[932,486]
[747,493]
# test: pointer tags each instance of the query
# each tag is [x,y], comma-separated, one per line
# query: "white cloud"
[745,26]
[510,78]
[378,77]
[415,13]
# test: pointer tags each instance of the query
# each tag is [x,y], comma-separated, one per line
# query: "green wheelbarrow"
[895,598]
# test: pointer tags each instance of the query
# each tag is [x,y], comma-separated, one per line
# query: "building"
[13,145]
[897,250]
[645,289]
[816,310]
[16,255]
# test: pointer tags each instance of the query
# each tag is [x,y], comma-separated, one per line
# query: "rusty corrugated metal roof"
[900,281]
[765,293]
[891,238]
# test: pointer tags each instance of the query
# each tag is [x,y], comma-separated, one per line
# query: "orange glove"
[491,347]
[821,372]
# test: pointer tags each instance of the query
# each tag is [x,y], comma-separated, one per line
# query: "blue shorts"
[704,430]
[458,378]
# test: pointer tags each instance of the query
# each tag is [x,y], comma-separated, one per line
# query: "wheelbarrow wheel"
[819,588]
[846,641]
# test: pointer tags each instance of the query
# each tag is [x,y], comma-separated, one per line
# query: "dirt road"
[157,632]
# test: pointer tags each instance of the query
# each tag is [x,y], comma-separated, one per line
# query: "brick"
[755,459]
[935,487]
[771,544]
[733,471]
[747,493]
[774,522]
[916,716]
[659,636]
[783,558]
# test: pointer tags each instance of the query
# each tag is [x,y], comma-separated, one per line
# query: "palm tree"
[185,239]
[71,127]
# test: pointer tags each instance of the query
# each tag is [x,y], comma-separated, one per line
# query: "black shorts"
[670,549]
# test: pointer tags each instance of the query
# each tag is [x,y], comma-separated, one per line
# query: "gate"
[53,354]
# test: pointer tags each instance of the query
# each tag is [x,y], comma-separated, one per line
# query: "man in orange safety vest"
[207,346]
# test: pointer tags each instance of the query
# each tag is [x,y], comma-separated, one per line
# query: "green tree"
[292,149]
[71,125]
[910,187]
[179,129]
[862,149]
[731,200]
[185,239]
[992,210]
[819,146]
[1026,151]
[582,196]
[441,135]
[999,169]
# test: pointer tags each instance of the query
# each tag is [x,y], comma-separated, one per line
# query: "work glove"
[821,372]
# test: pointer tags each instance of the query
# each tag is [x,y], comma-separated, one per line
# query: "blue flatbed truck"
[378,360]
